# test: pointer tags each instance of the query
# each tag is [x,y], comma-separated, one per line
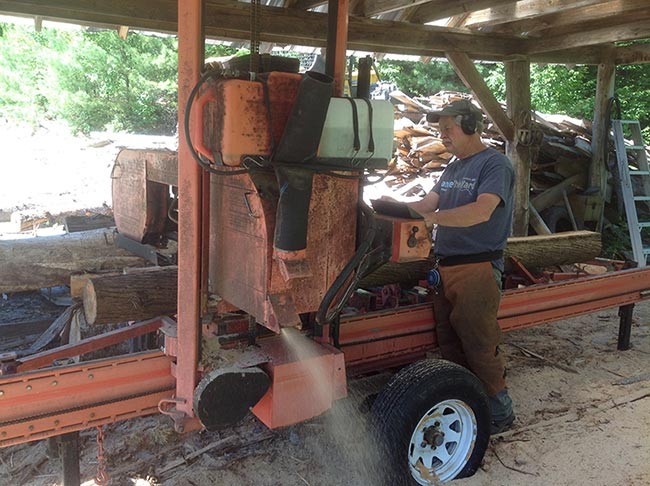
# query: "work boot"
[499,426]
[501,411]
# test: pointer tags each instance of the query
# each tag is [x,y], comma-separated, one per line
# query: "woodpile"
[560,146]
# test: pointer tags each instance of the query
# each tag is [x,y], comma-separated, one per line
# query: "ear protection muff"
[468,124]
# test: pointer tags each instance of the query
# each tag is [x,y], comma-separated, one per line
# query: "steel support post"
[625,312]
[337,43]
[190,60]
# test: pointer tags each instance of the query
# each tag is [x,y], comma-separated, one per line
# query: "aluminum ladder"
[639,239]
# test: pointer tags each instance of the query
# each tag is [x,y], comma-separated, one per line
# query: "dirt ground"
[583,412]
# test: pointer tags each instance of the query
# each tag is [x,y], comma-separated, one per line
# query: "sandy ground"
[583,418]
[583,414]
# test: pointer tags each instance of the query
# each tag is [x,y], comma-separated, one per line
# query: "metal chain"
[255,36]
[102,478]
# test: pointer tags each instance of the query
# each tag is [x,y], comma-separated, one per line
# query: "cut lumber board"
[532,251]
[138,295]
[34,263]
[75,224]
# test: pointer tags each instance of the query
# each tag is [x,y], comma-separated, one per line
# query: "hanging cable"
[186,121]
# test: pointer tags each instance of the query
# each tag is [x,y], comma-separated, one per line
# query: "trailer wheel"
[433,423]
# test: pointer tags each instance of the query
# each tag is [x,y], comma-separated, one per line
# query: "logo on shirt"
[463,185]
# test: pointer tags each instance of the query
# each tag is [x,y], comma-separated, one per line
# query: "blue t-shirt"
[487,171]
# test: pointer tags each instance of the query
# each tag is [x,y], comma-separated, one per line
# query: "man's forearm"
[460,217]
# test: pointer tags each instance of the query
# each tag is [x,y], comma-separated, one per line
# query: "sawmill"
[253,267]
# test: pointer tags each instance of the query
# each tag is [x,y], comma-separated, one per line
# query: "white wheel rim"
[453,426]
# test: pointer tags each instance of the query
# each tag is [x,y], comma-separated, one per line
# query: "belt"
[487,256]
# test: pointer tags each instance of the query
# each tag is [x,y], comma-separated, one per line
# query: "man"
[472,207]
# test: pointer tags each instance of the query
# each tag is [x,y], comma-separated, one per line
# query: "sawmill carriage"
[274,242]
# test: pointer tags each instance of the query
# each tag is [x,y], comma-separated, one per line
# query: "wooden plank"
[524,9]
[634,54]
[617,33]
[292,26]
[441,9]
[537,222]
[279,25]
[378,7]
[471,77]
[555,193]
[518,103]
[75,224]
[571,16]
[307,4]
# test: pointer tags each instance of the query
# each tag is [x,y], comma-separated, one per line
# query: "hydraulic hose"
[186,122]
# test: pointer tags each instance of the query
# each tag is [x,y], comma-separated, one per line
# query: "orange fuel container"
[236,118]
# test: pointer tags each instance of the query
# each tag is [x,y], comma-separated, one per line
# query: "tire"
[432,423]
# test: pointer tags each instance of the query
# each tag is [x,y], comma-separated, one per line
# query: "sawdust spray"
[345,448]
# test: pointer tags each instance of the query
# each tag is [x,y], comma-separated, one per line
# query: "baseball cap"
[458,107]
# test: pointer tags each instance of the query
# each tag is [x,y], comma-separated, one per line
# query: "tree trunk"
[34,263]
[531,251]
[138,295]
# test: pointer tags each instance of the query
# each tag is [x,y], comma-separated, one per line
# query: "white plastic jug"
[337,140]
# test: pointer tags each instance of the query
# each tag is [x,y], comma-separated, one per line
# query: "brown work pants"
[466,322]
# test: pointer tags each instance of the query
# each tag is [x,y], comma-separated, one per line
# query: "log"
[132,296]
[556,249]
[34,263]
[532,251]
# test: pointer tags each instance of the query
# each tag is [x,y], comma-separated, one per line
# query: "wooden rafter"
[572,16]
[524,9]
[307,4]
[378,7]
[617,33]
[472,79]
[231,21]
[441,9]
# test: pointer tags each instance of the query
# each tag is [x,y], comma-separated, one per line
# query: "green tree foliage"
[126,84]
[568,90]
[420,79]
[93,79]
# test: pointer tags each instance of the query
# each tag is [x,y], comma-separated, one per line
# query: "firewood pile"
[560,144]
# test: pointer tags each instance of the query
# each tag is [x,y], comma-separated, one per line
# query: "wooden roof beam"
[472,78]
[524,9]
[378,7]
[278,25]
[617,33]
[634,54]
[307,4]
[441,9]
[573,16]
[308,28]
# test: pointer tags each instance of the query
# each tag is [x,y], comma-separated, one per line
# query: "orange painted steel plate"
[55,400]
